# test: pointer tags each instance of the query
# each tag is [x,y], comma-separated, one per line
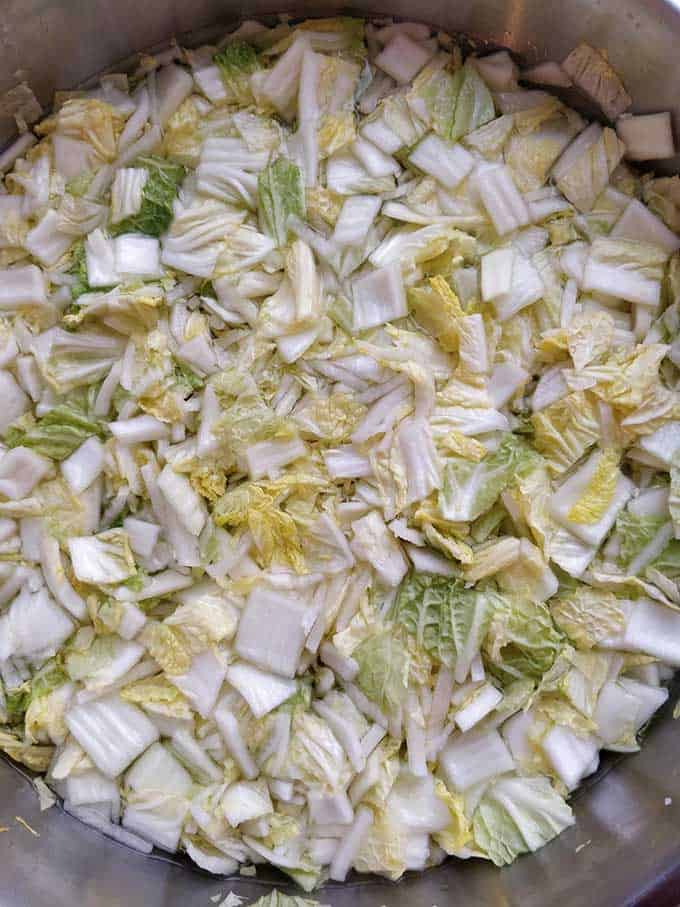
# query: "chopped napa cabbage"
[20,471]
[433,94]
[281,196]
[647,137]
[522,641]
[446,619]
[501,198]
[638,222]
[590,71]
[402,58]
[261,690]
[637,267]
[383,669]
[378,298]
[52,625]
[585,167]
[541,134]
[588,502]
[277,899]
[58,433]
[236,63]
[449,164]
[102,559]
[470,488]
[315,751]
[112,732]
[104,662]
[374,543]
[87,120]
[156,197]
[437,309]
[473,105]
[565,430]
[469,759]
[517,815]
[588,616]
[662,197]
[196,235]
[269,616]
[340,475]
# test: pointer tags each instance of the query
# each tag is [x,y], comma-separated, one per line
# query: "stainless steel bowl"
[624,848]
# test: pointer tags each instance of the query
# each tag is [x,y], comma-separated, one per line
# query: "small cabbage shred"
[340,450]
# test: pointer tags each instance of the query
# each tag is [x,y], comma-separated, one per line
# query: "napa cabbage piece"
[585,167]
[565,430]
[315,751]
[245,418]
[373,542]
[168,646]
[158,696]
[104,661]
[33,703]
[588,501]
[589,338]
[340,33]
[598,492]
[73,359]
[471,487]
[447,620]
[473,106]
[458,834]
[432,96]
[279,899]
[540,135]
[436,307]
[274,531]
[634,532]
[588,616]
[332,419]
[593,74]
[522,641]
[196,236]
[326,102]
[418,245]
[397,838]
[205,613]
[58,433]
[90,121]
[237,62]
[527,571]
[674,494]
[636,266]
[662,197]
[157,195]
[103,559]
[78,271]
[113,733]
[517,815]
[37,757]
[281,196]
[383,673]
[629,380]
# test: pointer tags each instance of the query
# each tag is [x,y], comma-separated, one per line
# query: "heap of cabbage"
[340,472]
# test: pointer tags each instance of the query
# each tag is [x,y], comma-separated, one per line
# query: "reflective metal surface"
[625,847]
